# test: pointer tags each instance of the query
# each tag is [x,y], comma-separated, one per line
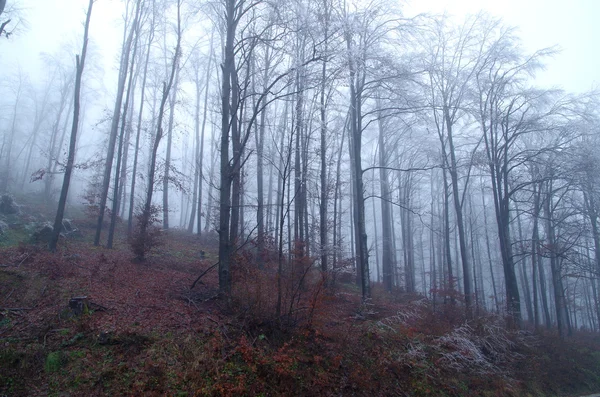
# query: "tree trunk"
[228,69]
[115,123]
[172,102]
[562,316]
[388,257]
[73,141]
[467,280]
[138,132]
[116,189]
[147,211]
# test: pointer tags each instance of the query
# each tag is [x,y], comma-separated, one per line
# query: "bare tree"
[146,214]
[114,129]
[80,63]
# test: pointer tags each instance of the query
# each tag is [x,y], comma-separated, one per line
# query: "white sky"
[572,25]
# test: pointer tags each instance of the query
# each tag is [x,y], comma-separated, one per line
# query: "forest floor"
[141,330]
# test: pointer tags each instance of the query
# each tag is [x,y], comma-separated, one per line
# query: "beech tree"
[80,64]
[130,28]
[507,114]
[147,211]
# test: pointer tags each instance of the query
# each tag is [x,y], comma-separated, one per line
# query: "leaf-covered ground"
[144,332]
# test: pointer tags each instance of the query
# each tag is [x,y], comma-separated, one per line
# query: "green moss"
[54,362]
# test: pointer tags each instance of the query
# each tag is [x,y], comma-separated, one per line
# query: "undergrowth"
[146,333]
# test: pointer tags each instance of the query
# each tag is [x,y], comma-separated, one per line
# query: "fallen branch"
[97,307]
[8,296]
[20,263]
[202,275]
[15,309]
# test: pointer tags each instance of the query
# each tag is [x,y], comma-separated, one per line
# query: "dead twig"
[23,260]
[97,307]
[202,275]
[8,296]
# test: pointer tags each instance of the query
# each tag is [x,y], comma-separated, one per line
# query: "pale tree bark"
[200,136]
[147,210]
[64,108]
[260,143]
[232,18]
[453,58]
[118,174]
[388,257]
[167,171]
[139,127]
[126,50]
[40,118]
[324,194]
[535,246]
[356,80]
[488,250]
[8,141]
[521,266]
[560,303]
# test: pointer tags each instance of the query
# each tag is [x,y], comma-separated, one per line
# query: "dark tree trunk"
[80,62]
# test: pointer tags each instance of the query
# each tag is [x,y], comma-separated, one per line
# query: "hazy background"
[573,26]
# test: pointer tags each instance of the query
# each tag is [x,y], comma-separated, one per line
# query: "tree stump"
[79,305]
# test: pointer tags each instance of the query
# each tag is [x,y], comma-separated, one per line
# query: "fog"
[354,106]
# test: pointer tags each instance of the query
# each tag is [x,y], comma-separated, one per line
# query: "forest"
[295,197]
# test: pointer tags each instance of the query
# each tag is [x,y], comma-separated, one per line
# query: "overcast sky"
[572,25]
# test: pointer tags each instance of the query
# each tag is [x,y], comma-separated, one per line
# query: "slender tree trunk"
[432,253]
[260,142]
[466,268]
[5,177]
[116,189]
[211,178]
[337,212]
[448,251]
[197,163]
[166,177]
[147,211]
[535,244]
[228,69]
[376,240]
[139,130]
[200,155]
[80,62]
[323,150]
[388,256]
[562,316]
[115,123]
[523,273]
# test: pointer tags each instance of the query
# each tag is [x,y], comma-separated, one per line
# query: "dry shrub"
[143,241]
[255,292]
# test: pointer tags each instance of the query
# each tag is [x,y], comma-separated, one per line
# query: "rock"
[3,228]
[8,205]
[43,234]
[69,230]
[67,226]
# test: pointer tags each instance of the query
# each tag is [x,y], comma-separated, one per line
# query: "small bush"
[147,235]
[255,291]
